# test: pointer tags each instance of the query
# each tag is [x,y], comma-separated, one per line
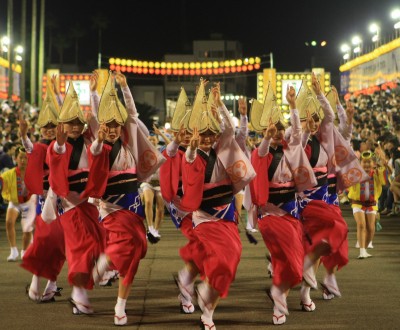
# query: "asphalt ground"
[370,291]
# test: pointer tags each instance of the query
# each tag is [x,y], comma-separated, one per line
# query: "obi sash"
[78,181]
[285,199]
[39,204]
[281,195]
[333,197]
[320,193]
[217,196]
[292,208]
[46,184]
[121,184]
[223,212]
[177,215]
[130,201]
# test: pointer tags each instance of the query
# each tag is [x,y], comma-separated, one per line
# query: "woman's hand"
[54,84]
[291,97]
[311,125]
[242,106]
[216,91]
[156,130]
[179,137]
[270,131]
[102,133]
[94,80]
[195,140]
[61,134]
[349,112]
[23,126]
[120,79]
[315,84]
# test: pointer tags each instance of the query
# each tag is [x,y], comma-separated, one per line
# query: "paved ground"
[370,289]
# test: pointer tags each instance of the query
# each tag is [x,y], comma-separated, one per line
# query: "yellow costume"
[357,193]
[9,191]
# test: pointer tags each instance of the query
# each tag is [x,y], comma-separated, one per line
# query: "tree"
[61,43]
[51,24]
[100,23]
[77,32]
[147,113]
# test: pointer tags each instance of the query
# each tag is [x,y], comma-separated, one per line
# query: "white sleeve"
[96,148]
[59,149]
[27,143]
[190,155]
[172,148]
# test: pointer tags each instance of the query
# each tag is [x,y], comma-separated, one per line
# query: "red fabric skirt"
[45,257]
[219,248]
[190,251]
[187,227]
[283,237]
[341,257]
[84,242]
[322,221]
[126,242]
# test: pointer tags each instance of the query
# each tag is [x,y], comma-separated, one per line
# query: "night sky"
[147,29]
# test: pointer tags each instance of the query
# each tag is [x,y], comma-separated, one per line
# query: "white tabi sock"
[204,301]
[120,307]
[80,295]
[305,294]
[307,262]
[34,287]
[187,280]
[51,286]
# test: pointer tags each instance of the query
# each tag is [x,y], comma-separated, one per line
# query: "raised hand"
[335,92]
[291,96]
[61,134]
[195,140]
[215,113]
[270,131]
[120,79]
[216,91]
[242,106]
[180,136]
[94,80]
[54,84]
[315,84]
[102,133]
[349,112]
[156,130]
[88,116]
[311,125]
[23,126]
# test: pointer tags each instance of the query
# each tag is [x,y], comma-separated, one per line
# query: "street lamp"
[375,29]
[345,48]
[19,50]
[5,44]
[315,51]
[357,43]
[395,14]
[13,56]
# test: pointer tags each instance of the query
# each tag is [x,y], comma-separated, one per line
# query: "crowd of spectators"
[376,123]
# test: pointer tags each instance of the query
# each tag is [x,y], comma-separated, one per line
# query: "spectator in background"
[19,201]
[364,197]
[152,193]
[6,160]
[395,184]
[397,132]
